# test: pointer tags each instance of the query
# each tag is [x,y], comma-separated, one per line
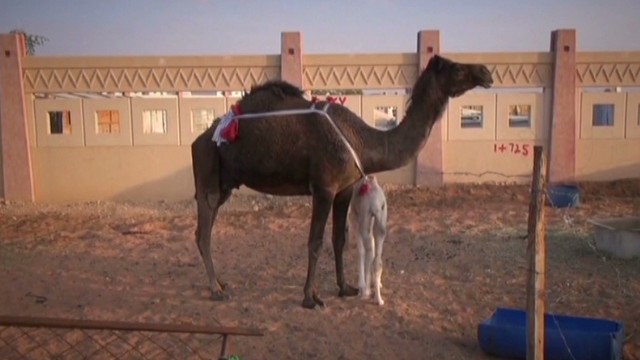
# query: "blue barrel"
[562,196]
[566,337]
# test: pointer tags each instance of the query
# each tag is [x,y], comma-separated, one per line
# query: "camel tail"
[205,161]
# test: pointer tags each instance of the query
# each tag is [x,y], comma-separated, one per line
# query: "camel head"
[454,79]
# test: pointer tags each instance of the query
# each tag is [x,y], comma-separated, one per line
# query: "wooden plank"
[536,282]
[21,321]
[148,62]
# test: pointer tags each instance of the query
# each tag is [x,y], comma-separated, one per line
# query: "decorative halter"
[364,189]
[230,133]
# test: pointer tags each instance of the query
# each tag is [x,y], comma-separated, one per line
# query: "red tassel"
[230,133]
[364,189]
[236,109]
[314,99]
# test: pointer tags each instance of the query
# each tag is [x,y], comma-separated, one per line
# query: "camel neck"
[395,148]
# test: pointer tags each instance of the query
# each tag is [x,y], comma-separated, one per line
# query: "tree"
[32,40]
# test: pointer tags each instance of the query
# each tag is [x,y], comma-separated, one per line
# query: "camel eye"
[458,73]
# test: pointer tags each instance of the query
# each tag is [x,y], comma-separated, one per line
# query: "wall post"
[562,137]
[291,58]
[430,160]
[17,173]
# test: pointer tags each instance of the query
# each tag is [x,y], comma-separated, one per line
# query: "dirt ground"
[453,255]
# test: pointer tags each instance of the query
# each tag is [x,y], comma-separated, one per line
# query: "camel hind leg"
[209,197]
[208,205]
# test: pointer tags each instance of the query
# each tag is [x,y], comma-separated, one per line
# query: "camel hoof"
[317,300]
[380,302]
[220,296]
[348,290]
[222,285]
[308,303]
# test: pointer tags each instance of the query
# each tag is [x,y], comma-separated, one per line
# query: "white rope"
[226,119]
[224,122]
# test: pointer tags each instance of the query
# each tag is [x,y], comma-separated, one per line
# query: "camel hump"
[281,88]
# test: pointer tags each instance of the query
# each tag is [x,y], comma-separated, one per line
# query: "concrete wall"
[612,151]
[67,174]
[538,98]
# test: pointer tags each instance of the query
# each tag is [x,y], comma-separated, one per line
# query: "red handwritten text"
[332,99]
[512,148]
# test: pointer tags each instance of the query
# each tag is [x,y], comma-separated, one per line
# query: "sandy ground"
[453,255]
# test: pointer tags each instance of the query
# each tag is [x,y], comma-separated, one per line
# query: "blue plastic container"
[504,334]
[562,196]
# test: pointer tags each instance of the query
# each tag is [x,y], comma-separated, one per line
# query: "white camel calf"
[368,219]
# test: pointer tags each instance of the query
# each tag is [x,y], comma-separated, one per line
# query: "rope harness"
[227,123]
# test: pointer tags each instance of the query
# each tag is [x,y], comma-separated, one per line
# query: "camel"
[368,219]
[303,154]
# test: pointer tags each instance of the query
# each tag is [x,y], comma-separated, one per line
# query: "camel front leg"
[339,237]
[322,200]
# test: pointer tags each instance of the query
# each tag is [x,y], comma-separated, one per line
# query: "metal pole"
[223,351]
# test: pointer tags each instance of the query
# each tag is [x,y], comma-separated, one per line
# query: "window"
[59,122]
[107,122]
[519,116]
[471,116]
[603,114]
[201,119]
[385,117]
[154,122]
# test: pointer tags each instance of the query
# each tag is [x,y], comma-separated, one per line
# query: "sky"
[242,27]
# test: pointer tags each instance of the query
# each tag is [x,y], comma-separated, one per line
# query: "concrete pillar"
[430,160]
[291,58]
[17,174]
[562,137]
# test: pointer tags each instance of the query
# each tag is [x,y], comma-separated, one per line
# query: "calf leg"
[359,241]
[366,254]
[379,233]
[377,277]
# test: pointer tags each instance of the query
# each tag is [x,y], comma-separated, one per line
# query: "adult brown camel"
[304,155]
